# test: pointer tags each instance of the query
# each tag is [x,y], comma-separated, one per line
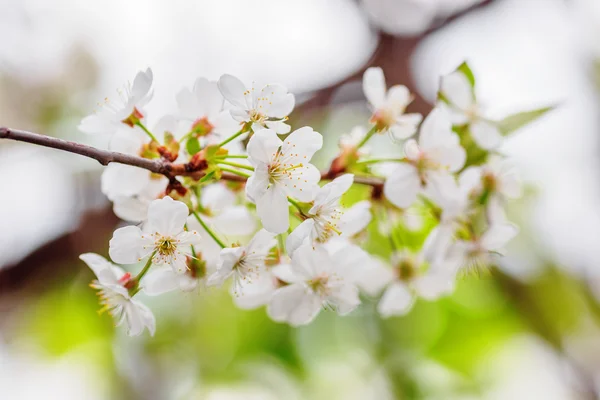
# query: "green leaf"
[192,146]
[516,121]
[466,70]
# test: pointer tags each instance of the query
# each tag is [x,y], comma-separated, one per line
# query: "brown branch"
[158,166]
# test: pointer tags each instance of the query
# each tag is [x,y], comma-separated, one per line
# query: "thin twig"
[158,166]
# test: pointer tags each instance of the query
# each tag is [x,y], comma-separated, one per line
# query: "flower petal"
[105,271]
[263,146]
[486,134]
[299,236]
[236,220]
[402,187]
[498,235]
[397,300]
[129,246]
[294,304]
[120,180]
[457,89]
[302,144]
[160,280]
[167,216]
[233,90]
[374,86]
[142,84]
[356,218]
[273,210]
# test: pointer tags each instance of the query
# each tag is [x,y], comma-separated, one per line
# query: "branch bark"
[158,166]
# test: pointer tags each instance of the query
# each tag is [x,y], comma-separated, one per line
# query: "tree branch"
[158,166]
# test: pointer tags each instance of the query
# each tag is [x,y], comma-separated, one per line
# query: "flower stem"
[378,160]
[233,164]
[235,135]
[297,205]
[141,274]
[367,137]
[232,156]
[141,125]
[208,230]
[235,171]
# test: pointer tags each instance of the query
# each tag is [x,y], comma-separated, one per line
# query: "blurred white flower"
[202,108]
[163,237]
[410,275]
[266,107]
[282,169]
[259,291]
[115,298]
[126,111]
[244,263]
[437,153]
[388,106]
[464,109]
[319,280]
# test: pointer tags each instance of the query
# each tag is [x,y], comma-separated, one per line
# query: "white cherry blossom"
[409,276]
[202,108]
[265,106]
[327,218]
[479,252]
[437,154]
[244,263]
[115,298]
[320,279]
[464,109]
[259,291]
[388,106]
[282,169]
[497,179]
[124,111]
[163,237]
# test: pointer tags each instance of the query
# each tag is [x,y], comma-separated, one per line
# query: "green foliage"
[192,146]
[516,121]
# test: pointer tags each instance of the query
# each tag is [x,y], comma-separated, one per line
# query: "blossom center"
[383,118]
[279,169]
[166,246]
[320,285]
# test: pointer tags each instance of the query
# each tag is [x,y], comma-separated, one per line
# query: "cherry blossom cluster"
[253,213]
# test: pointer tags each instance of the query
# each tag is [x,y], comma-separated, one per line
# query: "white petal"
[280,127]
[120,180]
[209,98]
[97,124]
[236,221]
[188,104]
[273,210]
[402,187]
[263,146]
[299,236]
[470,179]
[105,271]
[510,184]
[160,280]
[397,300]
[258,183]
[261,243]
[375,276]
[216,197]
[303,143]
[433,286]
[333,190]
[128,245]
[275,101]
[436,130]
[350,261]
[141,84]
[453,157]
[398,97]
[232,90]
[294,304]
[138,317]
[457,89]
[405,126]
[356,218]
[127,140]
[498,235]
[412,150]
[256,292]
[167,216]
[374,86]
[308,261]
[486,135]
[345,299]
[303,183]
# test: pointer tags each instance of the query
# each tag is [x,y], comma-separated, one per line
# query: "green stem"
[367,137]
[235,135]
[233,164]
[235,171]
[231,156]
[296,204]
[141,274]
[378,160]
[139,123]
[207,229]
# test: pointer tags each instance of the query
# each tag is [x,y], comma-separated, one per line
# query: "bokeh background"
[529,329]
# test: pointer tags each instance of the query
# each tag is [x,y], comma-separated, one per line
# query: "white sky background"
[521,61]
